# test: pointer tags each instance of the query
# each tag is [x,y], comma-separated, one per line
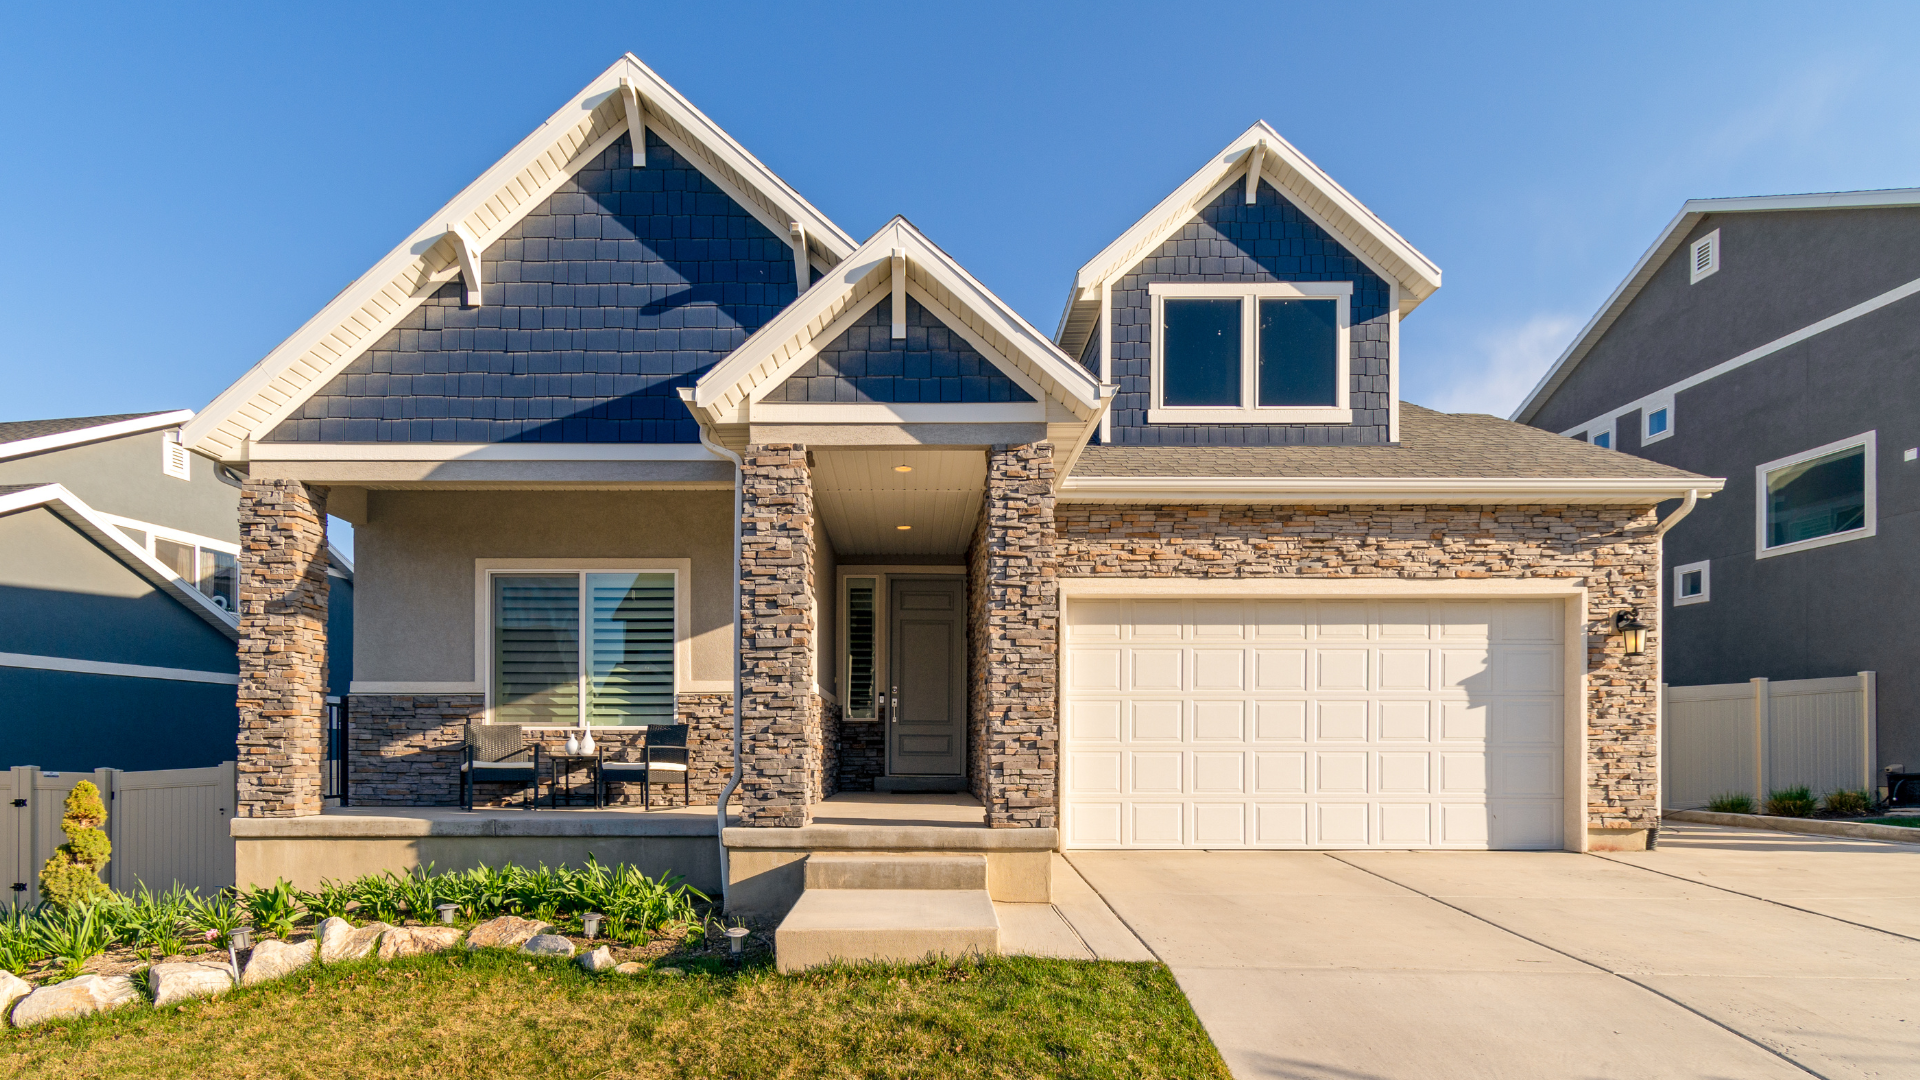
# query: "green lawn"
[1904,822]
[495,1014]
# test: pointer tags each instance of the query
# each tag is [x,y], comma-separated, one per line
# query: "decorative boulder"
[547,945]
[506,932]
[83,996]
[12,989]
[414,940]
[598,960]
[631,967]
[341,940]
[273,959]
[174,983]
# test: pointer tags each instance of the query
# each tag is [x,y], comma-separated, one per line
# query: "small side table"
[562,787]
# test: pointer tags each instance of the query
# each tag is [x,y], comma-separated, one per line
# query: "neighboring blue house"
[118,596]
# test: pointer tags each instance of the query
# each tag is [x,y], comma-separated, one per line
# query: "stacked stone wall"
[1014,625]
[1611,550]
[781,715]
[406,750]
[283,648]
[860,754]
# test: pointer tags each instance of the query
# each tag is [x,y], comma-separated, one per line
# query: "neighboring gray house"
[1188,573]
[119,578]
[1774,341]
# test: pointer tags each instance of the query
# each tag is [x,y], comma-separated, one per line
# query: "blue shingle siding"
[866,365]
[1230,241]
[625,285]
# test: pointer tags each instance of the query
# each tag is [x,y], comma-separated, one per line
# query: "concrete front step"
[856,925]
[881,870]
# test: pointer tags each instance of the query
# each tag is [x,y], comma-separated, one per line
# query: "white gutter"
[1693,499]
[739,512]
[1347,489]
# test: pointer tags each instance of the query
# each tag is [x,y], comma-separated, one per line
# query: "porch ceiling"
[863,499]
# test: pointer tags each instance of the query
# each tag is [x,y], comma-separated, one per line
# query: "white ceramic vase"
[573,744]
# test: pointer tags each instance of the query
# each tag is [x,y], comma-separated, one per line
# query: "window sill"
[1303,414]
[1824,541]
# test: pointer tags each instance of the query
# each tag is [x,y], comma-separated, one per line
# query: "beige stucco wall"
[414,567]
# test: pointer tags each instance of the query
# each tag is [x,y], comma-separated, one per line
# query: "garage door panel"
[1157,721]
[1224,722]
[1280,721]
[1094,720]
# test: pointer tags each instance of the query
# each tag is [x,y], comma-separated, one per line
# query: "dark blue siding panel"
[624,286]
[1230,241]
[933,364]
[339,636]
[70,722]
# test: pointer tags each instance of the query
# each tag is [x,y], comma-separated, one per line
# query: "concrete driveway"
[1726,953]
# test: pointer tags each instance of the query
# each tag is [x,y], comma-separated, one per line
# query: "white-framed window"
[1815,498]
[1600,435]
[863,649]
[1656,421]
[600,641]
[1692,583]
[175,459]
[1704,257]
[209,565]
[1273,353]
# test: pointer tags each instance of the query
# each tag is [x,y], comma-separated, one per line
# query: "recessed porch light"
[903,468]
[903,528]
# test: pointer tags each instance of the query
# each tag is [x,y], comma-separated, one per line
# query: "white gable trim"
[1293,175]
[727,393]
[532,171]
[40,444]
[96,526]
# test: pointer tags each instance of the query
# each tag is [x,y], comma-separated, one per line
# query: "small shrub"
[1731,803]
[19,946]
[273,908]
[216,918]
[330,901]
[1791,802]
[71,877]
[379,897]
[1848,803]
[73,935]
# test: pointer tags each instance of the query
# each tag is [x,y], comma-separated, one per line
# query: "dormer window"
[1272,353]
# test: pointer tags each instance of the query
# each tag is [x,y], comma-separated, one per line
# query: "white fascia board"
[129,671]
[1418,281]
[1663,248]
[100,530]
[754,364]
[488,207]
[341,564]
[1347,489]
[42,443]
[397,451]
[1017,412]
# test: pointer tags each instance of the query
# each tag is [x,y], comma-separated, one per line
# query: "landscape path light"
[239,940]
[590,924]
[737,938]
[447,912]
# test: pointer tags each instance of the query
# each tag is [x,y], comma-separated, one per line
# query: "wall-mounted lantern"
[1626,623]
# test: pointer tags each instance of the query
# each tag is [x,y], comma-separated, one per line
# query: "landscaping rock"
[12,989]
[598,960]
[341,940]
[83,996]
[415,940]
[506,932]
[174,983]
[272,959]
[547,945]
[631,967]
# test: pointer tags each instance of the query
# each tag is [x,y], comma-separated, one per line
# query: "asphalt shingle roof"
[34,429]
[1432,444]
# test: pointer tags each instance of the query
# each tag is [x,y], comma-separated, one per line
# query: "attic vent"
[1706,255]
[174,459]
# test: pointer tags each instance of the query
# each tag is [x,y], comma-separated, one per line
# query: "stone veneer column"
[283,648]
[1017,758]
[780,715]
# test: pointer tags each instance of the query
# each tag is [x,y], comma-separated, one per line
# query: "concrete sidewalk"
[1357,965]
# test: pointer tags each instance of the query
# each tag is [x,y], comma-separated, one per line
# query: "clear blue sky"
[178,192]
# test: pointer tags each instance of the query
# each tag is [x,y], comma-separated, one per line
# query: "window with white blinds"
[583,644]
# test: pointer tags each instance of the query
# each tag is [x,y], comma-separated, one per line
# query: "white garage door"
[1318,724]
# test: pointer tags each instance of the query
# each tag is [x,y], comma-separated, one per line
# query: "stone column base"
[1617,839]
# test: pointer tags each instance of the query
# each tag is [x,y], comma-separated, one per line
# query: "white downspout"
[739,511]
[1660,660]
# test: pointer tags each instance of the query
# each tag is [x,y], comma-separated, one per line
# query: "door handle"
[893,714]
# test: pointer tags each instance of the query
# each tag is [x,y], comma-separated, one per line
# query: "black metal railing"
[333,767]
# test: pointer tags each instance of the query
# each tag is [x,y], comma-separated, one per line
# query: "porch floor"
[860,809]
[849,810]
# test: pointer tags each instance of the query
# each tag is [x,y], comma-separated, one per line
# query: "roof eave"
[1385,490]
[42,443]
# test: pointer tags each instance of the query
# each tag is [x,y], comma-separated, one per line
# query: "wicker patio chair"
[499,754]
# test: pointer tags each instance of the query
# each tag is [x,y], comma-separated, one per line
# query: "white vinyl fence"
[1754,737]
[167,826]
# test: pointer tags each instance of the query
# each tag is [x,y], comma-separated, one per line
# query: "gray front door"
[927,713]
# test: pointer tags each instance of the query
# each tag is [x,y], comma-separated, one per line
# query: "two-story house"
[634,437]
[1772,341]
[119,595]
